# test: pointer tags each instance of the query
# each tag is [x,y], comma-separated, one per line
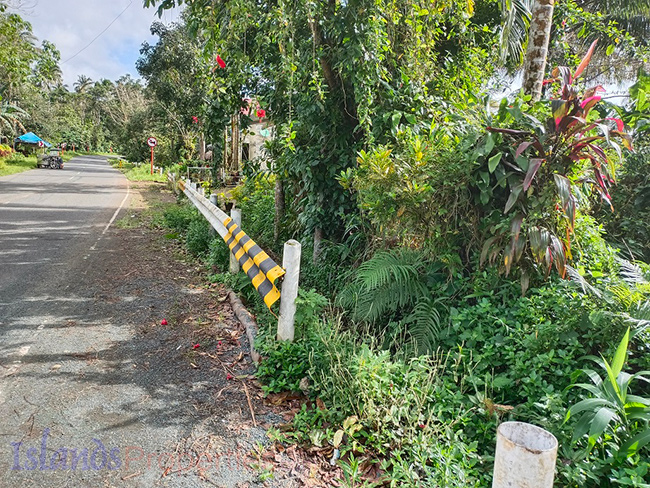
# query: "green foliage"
[141,172]
[629,225]
[615,420]
[176,76]
[407,415]
[219,254]
[286,363]
[395,290]
[390,281]
[17,163]
[5,151]
[536,167]
[417,190]
[178,217]
[334,76]
[255,198]
[198,237]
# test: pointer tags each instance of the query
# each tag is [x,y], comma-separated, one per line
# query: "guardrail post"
[235,215]
[291,264]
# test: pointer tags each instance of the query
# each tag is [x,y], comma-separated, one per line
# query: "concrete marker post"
[525,456]
[235,215]
[291,265]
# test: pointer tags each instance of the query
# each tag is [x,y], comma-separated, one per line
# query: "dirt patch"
[203,350]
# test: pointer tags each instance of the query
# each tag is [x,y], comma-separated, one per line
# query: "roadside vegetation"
[472,253]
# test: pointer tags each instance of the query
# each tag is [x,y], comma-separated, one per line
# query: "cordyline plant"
[544,168]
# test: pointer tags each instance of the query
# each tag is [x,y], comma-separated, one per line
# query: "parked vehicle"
[51,160]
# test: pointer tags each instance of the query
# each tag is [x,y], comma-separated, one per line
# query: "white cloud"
[72,24]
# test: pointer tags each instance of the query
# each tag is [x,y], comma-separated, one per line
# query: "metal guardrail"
[260,268]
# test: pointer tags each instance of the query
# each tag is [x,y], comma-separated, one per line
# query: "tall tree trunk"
[538,39]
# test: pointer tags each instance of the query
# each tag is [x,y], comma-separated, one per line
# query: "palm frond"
[580,280]
[625,9]
[632,273]
[639,318]
[515,21]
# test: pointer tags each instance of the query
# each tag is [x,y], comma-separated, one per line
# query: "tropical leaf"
[621,354]
[515,191]
[515,21]
[600,422]
[636,443]
[533,166]
[585,61]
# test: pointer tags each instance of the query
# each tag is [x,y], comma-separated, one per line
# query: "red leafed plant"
[537,169]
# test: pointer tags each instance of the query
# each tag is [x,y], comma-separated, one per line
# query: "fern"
[423,324]
[390,282]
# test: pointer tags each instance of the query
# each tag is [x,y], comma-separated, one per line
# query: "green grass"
[138,173]
[16,164]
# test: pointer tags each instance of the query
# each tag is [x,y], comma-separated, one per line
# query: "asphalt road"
[84,400]
[48,220]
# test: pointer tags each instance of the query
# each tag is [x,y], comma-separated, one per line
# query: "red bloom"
[422,426]
[163,322]
[219,344]
[261,113]
[196,346]
[221,62]
[195,119]
[229,376]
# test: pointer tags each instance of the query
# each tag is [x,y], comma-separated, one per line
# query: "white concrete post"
[525,456]
[291,264]
[235,215]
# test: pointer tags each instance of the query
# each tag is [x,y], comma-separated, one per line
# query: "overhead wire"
[99,35]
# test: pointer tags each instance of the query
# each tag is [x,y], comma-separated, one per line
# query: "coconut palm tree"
[11,116]
[82,84]
[632,16]
[539,34]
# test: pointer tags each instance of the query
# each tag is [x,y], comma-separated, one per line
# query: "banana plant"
[612,413]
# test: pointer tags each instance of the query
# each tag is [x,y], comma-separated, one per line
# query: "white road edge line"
[108,226]
[128,192]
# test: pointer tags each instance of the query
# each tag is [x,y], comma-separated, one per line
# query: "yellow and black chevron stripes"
[259,267]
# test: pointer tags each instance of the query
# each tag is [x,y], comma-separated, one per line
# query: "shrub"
[5,151]
[219,254]
[198,237]
[629,225]
[178,217]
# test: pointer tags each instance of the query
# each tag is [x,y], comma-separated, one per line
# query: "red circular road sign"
[152,141]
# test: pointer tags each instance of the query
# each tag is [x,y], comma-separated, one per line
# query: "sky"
[73,24]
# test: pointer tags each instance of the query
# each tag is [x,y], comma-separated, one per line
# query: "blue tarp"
[31,138]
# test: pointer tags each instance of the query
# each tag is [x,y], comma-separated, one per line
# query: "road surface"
[85,398]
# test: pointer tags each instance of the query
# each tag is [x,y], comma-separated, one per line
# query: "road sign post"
[152,141]
[63,146]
